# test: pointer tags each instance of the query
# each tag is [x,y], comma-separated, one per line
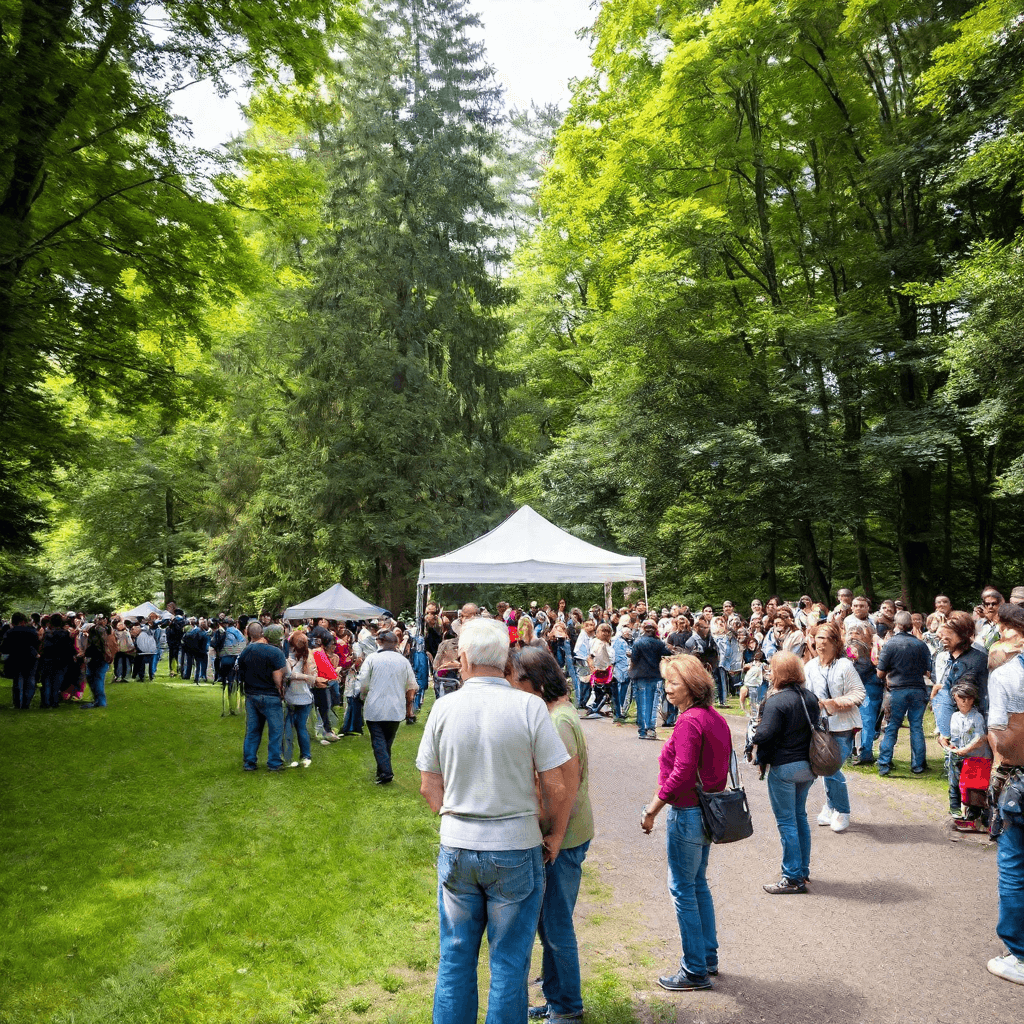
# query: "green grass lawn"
[147,878]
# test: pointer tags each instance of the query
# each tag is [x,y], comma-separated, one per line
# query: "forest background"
[751,307]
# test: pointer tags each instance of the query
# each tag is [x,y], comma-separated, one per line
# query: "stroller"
[975,775]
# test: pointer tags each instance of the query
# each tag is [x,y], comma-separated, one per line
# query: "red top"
[324,668]
[677,763]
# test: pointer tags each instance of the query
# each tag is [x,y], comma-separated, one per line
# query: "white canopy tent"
[337,602]
[526,548]
[143,611]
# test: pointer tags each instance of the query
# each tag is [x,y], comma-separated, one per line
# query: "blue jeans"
[96,677]
[643,694]
[620,687]
[500,890]
[561,968]
[51,678]
[868,716]
[909,702]
[382,738]
[563,655]
[23,685]
[722,685]
[353,716]
[1010,868]
[154,663]
[122,665]
[835,785]
[185,666]
[581,680]
[943,707]
[688,849]
[227,669]
[298,714]
[260,708]
[788,786]
[200,663]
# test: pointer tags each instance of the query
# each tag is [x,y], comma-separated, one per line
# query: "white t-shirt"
[384,679]
[1005,693]
[840,679]
[486,741]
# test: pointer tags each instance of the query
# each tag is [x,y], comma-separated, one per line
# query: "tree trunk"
[817,585]
[914,524]
[867,586]
[169,561]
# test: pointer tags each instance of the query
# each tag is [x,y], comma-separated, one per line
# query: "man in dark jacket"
[58,654]
[21,645]
[902,666]
[175,631]
[645,674]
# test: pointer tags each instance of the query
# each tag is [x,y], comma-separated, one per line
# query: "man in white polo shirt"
[387,685]
[480,749]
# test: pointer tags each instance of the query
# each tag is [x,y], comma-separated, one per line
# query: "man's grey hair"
[903,622]
[485,642]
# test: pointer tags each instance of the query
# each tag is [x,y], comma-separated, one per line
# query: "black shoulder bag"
[726,815]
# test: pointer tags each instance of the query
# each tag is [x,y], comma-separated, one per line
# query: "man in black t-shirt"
[902,666]
[261,674]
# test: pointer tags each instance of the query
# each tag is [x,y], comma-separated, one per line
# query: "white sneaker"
[825,817]
[305,762]
[840,822]
[1008,967]
[294,764]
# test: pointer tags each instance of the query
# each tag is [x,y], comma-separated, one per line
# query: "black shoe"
[919,771]
[684,982]
[863,760]
[784,887]
[713,972]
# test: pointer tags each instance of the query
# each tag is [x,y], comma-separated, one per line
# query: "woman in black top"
[782,738]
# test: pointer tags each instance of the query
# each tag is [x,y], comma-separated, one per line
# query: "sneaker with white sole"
[1008,967]
[305,762]
[294,764]
[825,816]
[840,822]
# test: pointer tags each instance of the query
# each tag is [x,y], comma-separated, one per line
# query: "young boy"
[967,738]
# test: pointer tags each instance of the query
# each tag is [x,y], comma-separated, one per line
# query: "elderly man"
[902,666]
[387,685]
[477,759]
[1006,737]
[261,672]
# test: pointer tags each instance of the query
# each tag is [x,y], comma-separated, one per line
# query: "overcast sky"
[531,44]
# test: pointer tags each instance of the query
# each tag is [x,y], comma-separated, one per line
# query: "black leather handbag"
[726,815]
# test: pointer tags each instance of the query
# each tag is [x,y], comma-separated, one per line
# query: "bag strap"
[733,777]
[814,728]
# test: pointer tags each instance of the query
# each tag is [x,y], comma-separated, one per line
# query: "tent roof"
[526,548]
[142,611]
[336,602]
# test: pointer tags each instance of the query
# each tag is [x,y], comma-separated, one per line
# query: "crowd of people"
[510,781]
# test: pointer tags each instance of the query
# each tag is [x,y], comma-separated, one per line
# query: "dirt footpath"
[898,924]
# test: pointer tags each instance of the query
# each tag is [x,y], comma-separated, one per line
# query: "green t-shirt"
[566,721]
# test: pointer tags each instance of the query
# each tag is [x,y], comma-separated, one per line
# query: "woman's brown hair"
[962,623]
[690,671]
[787,670]
[831,632]
[299,643]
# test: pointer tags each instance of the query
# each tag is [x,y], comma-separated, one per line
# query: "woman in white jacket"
[840,692]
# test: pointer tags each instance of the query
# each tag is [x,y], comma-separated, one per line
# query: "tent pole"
[646,602]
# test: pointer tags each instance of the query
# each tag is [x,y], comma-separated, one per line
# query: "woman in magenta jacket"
[700,744]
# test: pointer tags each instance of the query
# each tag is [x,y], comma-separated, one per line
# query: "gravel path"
[898,924]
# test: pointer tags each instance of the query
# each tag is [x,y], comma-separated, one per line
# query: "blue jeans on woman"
[788,786]
[297,716]
[943,707]
[561,962]
[643,694]
[500,890]
[835,785]
[688,849]
[122,665]
[51,678]
[353,717]
[95,677]
[868,716]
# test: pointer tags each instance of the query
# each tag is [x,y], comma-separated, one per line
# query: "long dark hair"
[539,668]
